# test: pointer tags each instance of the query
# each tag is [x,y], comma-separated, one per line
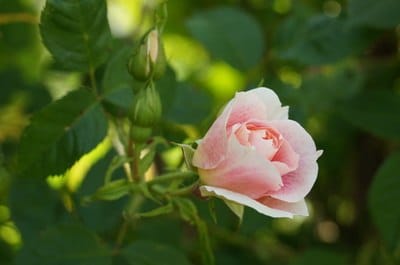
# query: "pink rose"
[253,155]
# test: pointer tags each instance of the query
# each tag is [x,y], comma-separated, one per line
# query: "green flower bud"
[139,63]
[146,109]
[149,59]
[157,55]
[140,134]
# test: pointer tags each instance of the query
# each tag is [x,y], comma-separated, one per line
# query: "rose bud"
[146,108]
[140,134]
[149,59]
[254,156]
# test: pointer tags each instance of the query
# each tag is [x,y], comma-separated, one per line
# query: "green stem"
[172,176]
[130,153]
[134,205]
[183,191]
[121,235]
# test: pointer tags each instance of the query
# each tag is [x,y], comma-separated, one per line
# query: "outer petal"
[243,171]
[212,148]
[259,103]
[244,200]
[275,111]
[296,208]
[298,183]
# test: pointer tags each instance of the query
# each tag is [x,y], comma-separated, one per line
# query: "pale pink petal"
[265,147]
[285,159]
[212,148]
[259,103]
[244,200]
[244,171]
[296,208]
[241,133]
[275,111]
[297,184]
[255,138]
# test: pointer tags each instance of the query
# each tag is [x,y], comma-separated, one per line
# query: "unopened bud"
[146,109]
[157,54]
[140,134]
[149,58]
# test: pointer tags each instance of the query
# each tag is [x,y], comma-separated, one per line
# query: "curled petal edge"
[243,200]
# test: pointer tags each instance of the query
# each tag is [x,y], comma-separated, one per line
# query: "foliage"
[73,191]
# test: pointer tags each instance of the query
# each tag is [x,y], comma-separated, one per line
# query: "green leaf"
[165,209]
[148,158]
[317,40]
[146,161]
[60,134]
[33,215]
[117,84]
[384,197]
[76,33]
[229,34]
[188,104]
[150,253]
[376,112]
[188,212]
[113,190]
[101,216]
[316,256]
[377,14]
[117,162]
[334,88]
[236,208]
[64,245]
[188,152]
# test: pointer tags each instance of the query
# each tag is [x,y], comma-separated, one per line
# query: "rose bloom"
[253,155]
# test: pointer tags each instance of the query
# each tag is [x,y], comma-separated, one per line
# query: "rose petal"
[244,171]
[275,111]
[212,148]
[259,103]
[285,159]
[296,208]
[297,184]
[242,134]
[244,200]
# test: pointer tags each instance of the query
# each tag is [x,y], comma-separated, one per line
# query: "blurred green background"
[335,63]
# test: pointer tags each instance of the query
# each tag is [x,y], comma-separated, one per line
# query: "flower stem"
[172,176]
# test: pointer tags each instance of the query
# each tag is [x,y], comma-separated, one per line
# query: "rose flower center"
[268,143]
